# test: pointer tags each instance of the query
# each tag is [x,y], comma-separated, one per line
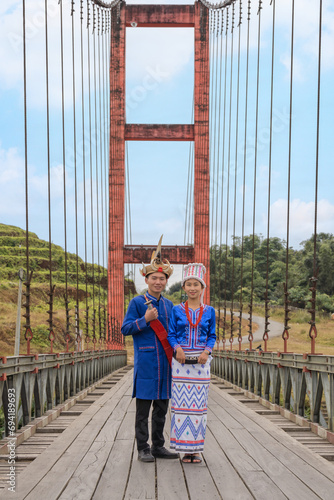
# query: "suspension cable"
[244,177]
[250,306]
[223,164]
[106,5]
[75,179]
[213,115]
[51,286]
[229,164]
[28,335]
[266,301]
[219,57]
[313,280]
[98,204]
[220,5]
[285,334]
[67,335]
[235,176]
[221,170]
[84,166]
[103,168]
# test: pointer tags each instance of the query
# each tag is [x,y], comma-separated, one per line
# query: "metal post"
[18,317]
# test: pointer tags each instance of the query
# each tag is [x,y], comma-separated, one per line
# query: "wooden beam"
[135,132]
[136,254]
[160,16]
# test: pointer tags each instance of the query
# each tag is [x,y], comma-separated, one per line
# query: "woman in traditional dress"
[192,336]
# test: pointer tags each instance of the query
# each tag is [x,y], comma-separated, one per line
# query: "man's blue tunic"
[152,373]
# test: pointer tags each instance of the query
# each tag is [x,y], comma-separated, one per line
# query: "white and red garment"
[190,389]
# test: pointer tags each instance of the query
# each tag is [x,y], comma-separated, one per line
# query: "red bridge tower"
[193,16]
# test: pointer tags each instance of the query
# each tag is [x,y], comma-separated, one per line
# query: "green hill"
[91,292]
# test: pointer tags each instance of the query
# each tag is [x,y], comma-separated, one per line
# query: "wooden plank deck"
[246,456]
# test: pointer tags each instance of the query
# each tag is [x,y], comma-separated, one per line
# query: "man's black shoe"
[163,453]
[145,455]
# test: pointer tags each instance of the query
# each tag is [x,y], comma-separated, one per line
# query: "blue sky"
[159,90]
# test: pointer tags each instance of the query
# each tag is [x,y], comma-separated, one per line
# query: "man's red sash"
[161,333]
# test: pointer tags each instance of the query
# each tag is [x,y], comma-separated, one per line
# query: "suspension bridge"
[68,417]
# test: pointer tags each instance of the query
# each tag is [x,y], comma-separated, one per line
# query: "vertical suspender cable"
[214,169]
[250,306]
[90,161]
[229,168]
[313,328]
[84,165]
[213,130]
[96,165]
[68,338]
[75,179]
[212,23]
[28,333]
[112,146]
[108,53]
[106,173]
[91,182]
[285,334]
[103,169]
[216,250]
[235,175]
[223,163]
[221,177]
[126,190]
[266,302]
[244,177]
[98,203]
[51,290]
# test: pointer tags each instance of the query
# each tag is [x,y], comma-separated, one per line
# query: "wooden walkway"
[246,456]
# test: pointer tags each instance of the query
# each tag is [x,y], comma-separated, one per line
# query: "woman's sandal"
[191,459]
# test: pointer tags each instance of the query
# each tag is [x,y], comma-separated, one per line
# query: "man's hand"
[203,357]
[151,314]
[180,356]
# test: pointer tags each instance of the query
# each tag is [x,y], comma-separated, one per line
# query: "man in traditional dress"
[147,321]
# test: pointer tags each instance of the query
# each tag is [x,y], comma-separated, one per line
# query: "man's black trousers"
[160,407]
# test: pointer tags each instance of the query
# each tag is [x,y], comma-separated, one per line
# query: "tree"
[176,287]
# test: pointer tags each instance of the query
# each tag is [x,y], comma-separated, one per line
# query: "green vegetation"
[300,271]
[87,287]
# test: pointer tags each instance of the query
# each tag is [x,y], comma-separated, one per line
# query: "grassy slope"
[12,257]
[299,340]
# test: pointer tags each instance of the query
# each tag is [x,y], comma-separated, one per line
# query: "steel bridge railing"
[301,383]
[33,384]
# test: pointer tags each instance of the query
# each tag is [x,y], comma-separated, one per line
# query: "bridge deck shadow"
[246,456]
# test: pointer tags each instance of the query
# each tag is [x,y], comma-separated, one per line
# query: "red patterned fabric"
[161,333]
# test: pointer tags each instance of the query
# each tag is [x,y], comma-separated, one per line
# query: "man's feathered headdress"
[157,264]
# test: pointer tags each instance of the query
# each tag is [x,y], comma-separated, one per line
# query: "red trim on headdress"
[160,270]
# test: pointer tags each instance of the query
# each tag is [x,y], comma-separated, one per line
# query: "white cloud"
[301,219]
[306,35]
[169,49]
[12,197]
[171,227]
[12,180]
[12,200]
[149,50]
